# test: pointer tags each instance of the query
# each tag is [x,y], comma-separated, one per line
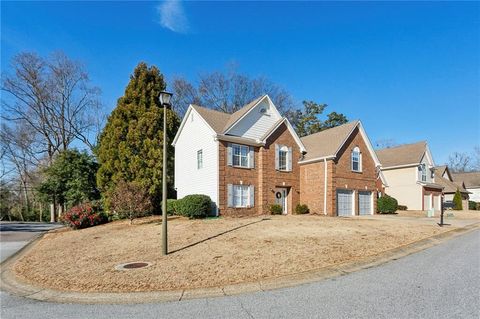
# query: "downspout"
[325,187]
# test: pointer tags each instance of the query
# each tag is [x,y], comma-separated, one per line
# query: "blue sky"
[409,71]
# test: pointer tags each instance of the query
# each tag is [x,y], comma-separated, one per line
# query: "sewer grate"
[133,265]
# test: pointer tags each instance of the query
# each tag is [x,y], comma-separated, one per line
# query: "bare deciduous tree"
[227,92]
[459,162]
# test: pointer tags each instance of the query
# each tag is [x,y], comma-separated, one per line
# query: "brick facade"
[339,176]
[263,176]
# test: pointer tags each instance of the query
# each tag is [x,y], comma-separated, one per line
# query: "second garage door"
[365,203]
[344,202]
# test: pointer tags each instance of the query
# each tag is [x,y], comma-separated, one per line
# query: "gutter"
[318,159]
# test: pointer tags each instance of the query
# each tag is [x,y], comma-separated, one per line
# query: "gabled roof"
[471,179]
[215,119]
[403,155]
[449,186]
[326,144]
[234,117]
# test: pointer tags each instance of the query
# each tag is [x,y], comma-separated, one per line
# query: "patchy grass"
[457,214]
[206,253]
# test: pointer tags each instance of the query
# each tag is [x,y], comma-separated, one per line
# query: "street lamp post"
[165,102]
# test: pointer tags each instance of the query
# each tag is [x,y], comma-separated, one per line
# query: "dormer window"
[356,160]
[424,172]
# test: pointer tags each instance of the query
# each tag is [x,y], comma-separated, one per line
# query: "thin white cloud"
[172,16]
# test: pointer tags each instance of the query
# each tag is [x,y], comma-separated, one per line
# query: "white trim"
[399,166]
[184,120]
[325,187]
[290,129]
[317,159]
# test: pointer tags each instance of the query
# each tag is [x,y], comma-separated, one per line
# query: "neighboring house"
[339,172]
[471,182]
[244,161]
[444,178]
[409,171]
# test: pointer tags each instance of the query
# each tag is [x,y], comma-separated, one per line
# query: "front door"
[281,195]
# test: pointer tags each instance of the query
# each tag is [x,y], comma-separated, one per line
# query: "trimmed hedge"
[275,209]
[387,205]
[472,205]
[193,206]
[301,209]
[171,206]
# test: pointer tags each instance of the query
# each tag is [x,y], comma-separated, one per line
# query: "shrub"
[130,200]
[472,205]
[301,209]
[275,209]
[171,206]
[402,207]
[83,216]
[387,205]
[194,206]
[457,201]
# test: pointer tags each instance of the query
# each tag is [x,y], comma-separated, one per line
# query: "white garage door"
[365,203]
[344,202]
[436,202]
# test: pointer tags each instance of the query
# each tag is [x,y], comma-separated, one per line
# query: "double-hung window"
[240,195]
[283,158]
[424,173]
[356,160]
[199,159]
[240,155]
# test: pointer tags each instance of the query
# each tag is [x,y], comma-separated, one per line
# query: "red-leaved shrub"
[83,216]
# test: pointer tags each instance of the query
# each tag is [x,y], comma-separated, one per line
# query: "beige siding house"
[444,178]
[471,181]
[409,171]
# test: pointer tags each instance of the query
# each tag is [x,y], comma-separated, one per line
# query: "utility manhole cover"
[133,265]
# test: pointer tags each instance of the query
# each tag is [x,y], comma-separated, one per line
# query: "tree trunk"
[40,212]
[60,210]
[53,213]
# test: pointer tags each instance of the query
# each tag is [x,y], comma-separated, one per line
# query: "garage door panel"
[344,203]
[365,203]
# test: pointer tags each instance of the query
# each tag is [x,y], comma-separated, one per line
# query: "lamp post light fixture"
[164,98]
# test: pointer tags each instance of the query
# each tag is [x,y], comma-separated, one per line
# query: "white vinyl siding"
[188,178]
[241,196]
[256,124]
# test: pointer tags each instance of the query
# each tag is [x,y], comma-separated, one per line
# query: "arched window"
[356,160]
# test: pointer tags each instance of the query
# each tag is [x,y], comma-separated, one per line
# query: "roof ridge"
[332,128]
[209,109]
[402,145]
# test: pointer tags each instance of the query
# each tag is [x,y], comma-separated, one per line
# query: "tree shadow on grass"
[218,235]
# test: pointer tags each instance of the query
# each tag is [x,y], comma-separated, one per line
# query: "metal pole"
[441,213]
[164,184]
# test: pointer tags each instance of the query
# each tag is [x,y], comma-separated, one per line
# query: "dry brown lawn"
[449,214]
[206,253]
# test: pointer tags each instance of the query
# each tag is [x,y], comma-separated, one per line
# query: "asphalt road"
[13,236]
[441,282]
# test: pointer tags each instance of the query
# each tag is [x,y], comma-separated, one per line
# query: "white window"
[283,158]
[241,196]
[199,159]
[240,155]
[424,173]
[356,160]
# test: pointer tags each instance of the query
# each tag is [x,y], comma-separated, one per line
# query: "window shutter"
[251,157]
[289,159]
[360,162]
[277,149]
[229,155]
[230,195]
[252,195]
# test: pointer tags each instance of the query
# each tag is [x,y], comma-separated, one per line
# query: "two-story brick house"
[244,161]
[253,158]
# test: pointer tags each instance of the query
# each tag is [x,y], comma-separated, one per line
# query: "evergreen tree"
[130,148]
[457,201]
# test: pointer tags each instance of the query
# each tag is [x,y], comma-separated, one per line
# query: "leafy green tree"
[71,179]
[130,147]
[307,121]
[457,200]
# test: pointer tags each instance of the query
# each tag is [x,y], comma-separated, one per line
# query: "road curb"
[10,283]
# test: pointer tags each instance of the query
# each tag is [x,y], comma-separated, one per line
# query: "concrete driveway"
[15,235]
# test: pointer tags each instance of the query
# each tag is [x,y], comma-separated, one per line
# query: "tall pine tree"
[130,147]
